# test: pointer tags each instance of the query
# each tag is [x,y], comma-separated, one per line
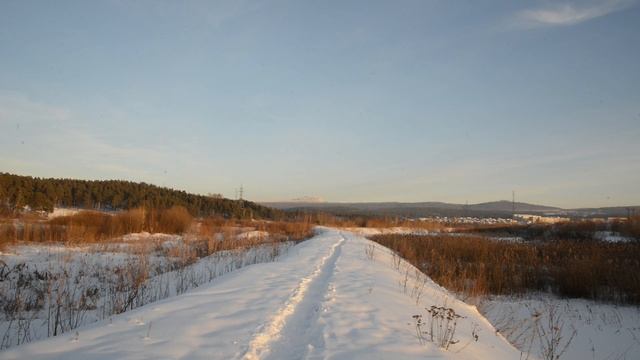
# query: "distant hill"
[424,209]
[17,191]
[504,205]
[418,209]
[615,211]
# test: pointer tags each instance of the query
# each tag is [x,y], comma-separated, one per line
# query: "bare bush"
[441,324]
[550,331]
[175,220]
[370,251]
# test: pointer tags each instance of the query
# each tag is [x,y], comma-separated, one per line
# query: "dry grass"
[573,230]
[93,226]
[284,230]
[631,227]
[60,297]
[475,266]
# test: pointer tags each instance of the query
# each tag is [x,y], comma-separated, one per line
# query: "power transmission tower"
[513,202]
[241,192]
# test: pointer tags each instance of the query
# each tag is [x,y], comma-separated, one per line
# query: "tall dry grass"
[295,230]
[93,226]
[630,228]
[475,266]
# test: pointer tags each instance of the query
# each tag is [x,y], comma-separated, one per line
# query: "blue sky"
[348,101]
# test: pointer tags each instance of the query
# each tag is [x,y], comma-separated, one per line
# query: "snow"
[145,236]
[43,256]
[507,238]
[254,234]
[65,273]
[58,212]
[602,331]
[335,296]
[611,236]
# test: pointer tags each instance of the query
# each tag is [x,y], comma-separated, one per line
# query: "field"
[59,274]
[474,266]
[561,291]
[569,290]
[336,295]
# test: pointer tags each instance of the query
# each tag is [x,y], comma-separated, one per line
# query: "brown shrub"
[632,227]
[11,231]
[93,226]
[213,234]
[175,220]
[292,230]
[473,265]
[130,221]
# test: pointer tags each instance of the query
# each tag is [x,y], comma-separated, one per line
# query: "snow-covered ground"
[612,236]
[52,288]
[335,296]
[591,330]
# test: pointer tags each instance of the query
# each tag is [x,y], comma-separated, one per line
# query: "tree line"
[18,192]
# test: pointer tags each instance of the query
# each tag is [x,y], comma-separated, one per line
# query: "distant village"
[520,219]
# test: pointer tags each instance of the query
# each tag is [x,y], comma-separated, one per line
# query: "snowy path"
[326,299]
[288,332]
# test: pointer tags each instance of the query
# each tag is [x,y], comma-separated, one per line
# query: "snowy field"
[46,290]
[588,329]
[337,296]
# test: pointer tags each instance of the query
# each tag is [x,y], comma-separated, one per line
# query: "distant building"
[533,219]
[617,219]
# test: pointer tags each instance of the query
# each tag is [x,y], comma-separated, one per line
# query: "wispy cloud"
[566,13]
[16,108]
[36,136]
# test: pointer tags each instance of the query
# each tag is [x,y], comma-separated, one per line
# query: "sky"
[430,100]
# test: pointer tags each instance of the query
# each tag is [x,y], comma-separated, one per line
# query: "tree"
[120,195]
